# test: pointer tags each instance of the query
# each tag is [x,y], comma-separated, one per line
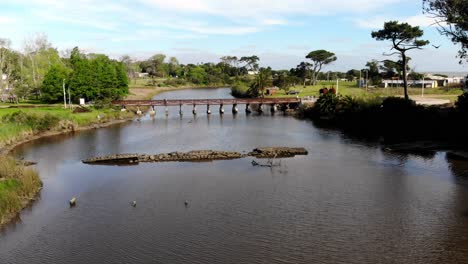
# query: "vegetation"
[319,59]
[392,118]
[452,19]
[39,72]
[17,125]
[18,185]
[404,37]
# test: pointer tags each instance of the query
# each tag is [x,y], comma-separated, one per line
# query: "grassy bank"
[18,187]
[350,89]
[18,124]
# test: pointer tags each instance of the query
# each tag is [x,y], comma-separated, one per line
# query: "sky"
[280,32]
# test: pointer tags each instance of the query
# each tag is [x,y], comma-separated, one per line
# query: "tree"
[352,75]
[52,86]
[39,57]
[373,72]
[173,66]
[452,19]
[262,81]
[319,59]
[131,67]
[404,37]
[302,70]
[251,62]
[4,59]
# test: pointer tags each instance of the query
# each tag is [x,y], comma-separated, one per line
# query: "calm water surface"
[346,202]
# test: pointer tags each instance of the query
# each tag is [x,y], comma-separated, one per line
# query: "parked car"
[292,92]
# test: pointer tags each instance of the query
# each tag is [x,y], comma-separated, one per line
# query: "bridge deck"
[177,102]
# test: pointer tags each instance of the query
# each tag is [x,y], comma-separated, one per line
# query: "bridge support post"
[234,109]
[273,108]
[194,111]
[284,107]
[208,111]
[221,109]
[247,109]
[180,110]
[153,111]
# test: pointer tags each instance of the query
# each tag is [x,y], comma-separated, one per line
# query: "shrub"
[327,103]
[398,105]
[175,82]
[240,90]
[17,184]
[103,103]
[34,121]
[462,103]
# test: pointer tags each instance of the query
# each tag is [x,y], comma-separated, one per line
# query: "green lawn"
[350,88]
[16,131]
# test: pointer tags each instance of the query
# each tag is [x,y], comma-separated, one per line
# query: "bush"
[17,184]
[103,103]
[462,103]
[327,104]
[398,105]
[240,90]
[175,82]
[34,121]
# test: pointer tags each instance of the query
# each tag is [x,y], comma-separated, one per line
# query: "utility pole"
[360,78]
[64,95]
[69,98]
[337,86]
[367,79]
[423,86]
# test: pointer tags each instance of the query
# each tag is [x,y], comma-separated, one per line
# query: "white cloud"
[267,8]
[5,20]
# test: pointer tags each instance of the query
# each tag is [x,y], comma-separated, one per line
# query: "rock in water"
[72,201]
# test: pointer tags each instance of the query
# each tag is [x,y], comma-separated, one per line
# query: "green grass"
[11,131]
[17,186]
[350,88]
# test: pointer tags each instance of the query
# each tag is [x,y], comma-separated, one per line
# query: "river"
[348,201]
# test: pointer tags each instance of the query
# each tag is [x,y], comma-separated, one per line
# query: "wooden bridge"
[179,102]
[285,103]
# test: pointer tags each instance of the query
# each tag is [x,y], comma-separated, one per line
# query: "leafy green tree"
[52,86]
[404,37]
[302,71]
[452,19]
[96,77]
[352,74]
[261,82]
[319,59]
[197,75]
[373,72]
[251,62]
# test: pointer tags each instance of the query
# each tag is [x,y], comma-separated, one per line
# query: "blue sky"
[280,32]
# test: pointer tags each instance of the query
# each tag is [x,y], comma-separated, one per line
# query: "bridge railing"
[177,102]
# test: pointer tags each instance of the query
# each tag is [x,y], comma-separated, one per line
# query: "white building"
[411,83]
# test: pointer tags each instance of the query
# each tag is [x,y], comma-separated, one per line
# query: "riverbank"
[19,187]
[392,120]
[22,125]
